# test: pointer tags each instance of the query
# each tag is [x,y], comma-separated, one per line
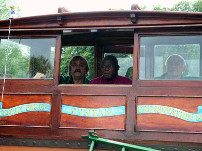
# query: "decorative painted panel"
[169,114]
[26,110]
[93,112]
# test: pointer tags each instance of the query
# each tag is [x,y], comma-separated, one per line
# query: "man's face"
[175,66]
[78,69]
[108,70]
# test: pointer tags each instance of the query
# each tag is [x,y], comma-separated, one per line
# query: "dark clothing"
[69,80]
[117,80]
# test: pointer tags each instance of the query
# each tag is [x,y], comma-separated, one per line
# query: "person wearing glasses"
[109,69]
[78,70]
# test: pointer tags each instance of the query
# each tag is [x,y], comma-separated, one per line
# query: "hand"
[39,75]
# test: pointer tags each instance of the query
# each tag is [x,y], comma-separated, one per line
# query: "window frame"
[31,81]
[165,83]
[99,41]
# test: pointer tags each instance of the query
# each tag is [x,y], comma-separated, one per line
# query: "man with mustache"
[110,75]
[78,69]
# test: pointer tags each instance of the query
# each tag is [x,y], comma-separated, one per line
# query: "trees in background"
[5,12]
[183,6]
[17,62]
[85,51]
[189,52]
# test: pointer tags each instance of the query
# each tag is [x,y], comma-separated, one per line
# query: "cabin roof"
[103,19]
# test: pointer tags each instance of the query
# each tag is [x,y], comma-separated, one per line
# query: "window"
[170,58]
[94,46]
[27,57]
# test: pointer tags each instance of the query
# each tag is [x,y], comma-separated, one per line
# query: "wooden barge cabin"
[154,111]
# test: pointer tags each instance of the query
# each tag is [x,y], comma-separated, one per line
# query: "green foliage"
[85,51]
[189,52]
[39,64]
[88,53]
[17,63]
[158,7]
[197,6]
[115,9]
[5,12]
[183,6]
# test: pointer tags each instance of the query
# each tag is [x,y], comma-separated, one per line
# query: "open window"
[94,46]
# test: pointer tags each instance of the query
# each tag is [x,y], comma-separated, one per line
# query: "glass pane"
[86,52]
[27,57]
[170,58]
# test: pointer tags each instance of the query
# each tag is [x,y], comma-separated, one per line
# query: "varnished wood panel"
[116,122]
[179,118]
[31,118]
[21,148]
[27,82]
